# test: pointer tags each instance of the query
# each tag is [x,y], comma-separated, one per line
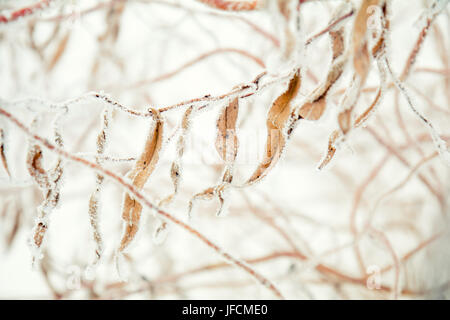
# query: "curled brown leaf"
[176,167]
[144,167]
[277,120]
[94,199]
[227,145]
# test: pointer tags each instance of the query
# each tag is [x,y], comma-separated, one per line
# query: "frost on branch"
[119,117]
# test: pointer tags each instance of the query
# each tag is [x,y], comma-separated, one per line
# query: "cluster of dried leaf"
[293,95]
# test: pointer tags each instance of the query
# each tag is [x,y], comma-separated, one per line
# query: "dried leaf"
[314,109]
[34,165]
[175,170]
[316,104]
[344,120]
[276,122]
[337,43]
[94,199]
[144,167]
[207,194]
[227,140]
[361,57]
[331,149]
[48,182]
[227,146]
[361,62]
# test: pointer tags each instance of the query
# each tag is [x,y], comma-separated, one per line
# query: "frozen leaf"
[144,167]
[227,147]
[277,119]
[94,199]
[316,104]
[361,57]
[175,170]
[49,183]
[227,140]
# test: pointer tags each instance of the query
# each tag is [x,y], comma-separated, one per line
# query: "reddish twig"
[15,15]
